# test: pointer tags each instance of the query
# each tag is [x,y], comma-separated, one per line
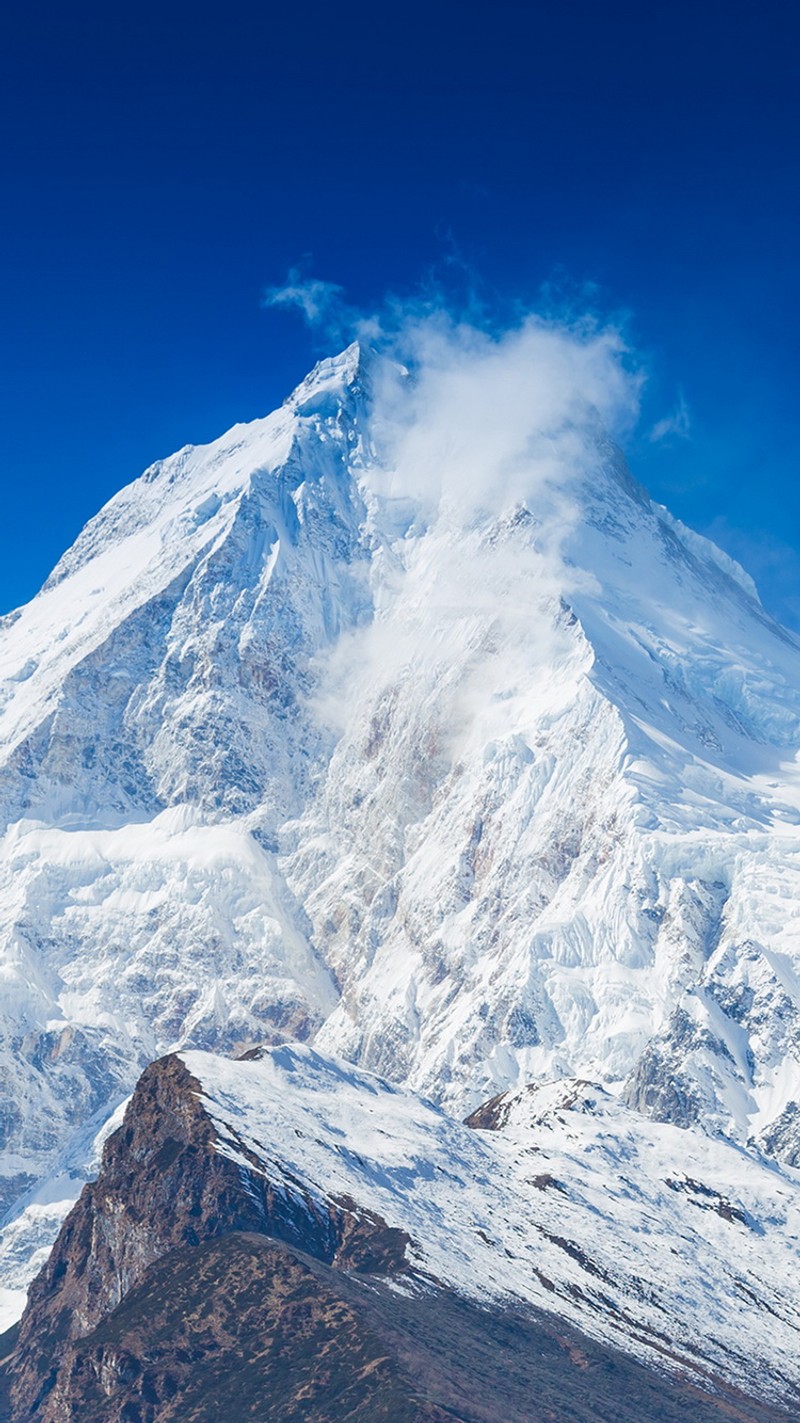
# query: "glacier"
[474,782]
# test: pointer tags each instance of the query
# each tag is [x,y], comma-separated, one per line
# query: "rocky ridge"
[201,1274]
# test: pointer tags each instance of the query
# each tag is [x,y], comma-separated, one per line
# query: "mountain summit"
[401,720]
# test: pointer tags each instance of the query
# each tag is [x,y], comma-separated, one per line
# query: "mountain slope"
[290,1237]
[130,880]
[431,739]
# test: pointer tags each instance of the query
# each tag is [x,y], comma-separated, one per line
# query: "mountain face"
[474,783]
[235,1258]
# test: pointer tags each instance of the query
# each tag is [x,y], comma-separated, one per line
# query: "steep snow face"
[165,658]
[156,696]
[182,932]
[571,768]
[26,1238]
[678,1248]
[480,789]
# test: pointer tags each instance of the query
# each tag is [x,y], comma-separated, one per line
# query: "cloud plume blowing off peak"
[482,442]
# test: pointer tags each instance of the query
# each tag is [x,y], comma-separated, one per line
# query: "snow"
[477,773]
[655,1239]
[27,1237]
[144,538]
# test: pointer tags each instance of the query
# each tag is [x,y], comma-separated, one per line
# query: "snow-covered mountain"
[476,780]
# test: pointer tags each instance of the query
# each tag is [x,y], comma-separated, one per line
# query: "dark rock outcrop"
[248,1330]
[163,1187]
[239,1327]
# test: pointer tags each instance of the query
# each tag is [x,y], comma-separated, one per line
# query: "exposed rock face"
[193,1282]
[236,1327]
[163,1187]
[782,1137]
[242,1328]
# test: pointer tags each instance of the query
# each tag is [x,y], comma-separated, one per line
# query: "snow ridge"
[569,1203]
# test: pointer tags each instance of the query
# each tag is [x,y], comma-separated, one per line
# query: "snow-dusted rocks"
[674,1246]
[404,721]
[555,1211]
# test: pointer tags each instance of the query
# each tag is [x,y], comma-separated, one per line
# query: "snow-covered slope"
[593,830]
[156,692]
[683,1251]
[479,780]
[531,1249]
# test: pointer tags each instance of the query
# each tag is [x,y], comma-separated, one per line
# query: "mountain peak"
[329,380]
[472,801]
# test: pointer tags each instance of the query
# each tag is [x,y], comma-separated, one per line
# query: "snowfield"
[672,1245]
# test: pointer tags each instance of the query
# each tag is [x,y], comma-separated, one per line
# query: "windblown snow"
[404,722]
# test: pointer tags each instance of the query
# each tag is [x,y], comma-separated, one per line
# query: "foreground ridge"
[254,1217]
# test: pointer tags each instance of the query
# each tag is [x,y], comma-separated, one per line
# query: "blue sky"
[162,167]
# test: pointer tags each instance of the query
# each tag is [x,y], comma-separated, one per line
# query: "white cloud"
[319,302]
[678,425]
[491,420]
[483,441]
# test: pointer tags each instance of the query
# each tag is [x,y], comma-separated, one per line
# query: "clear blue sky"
[162,166]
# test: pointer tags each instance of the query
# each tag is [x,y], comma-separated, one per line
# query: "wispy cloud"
[677,425]
[491,418]
[499,403]
[483,435]
[320,303]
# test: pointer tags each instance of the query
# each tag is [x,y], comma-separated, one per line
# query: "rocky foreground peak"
[205,1275]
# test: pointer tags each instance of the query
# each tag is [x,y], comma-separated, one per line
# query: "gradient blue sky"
[162,166]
